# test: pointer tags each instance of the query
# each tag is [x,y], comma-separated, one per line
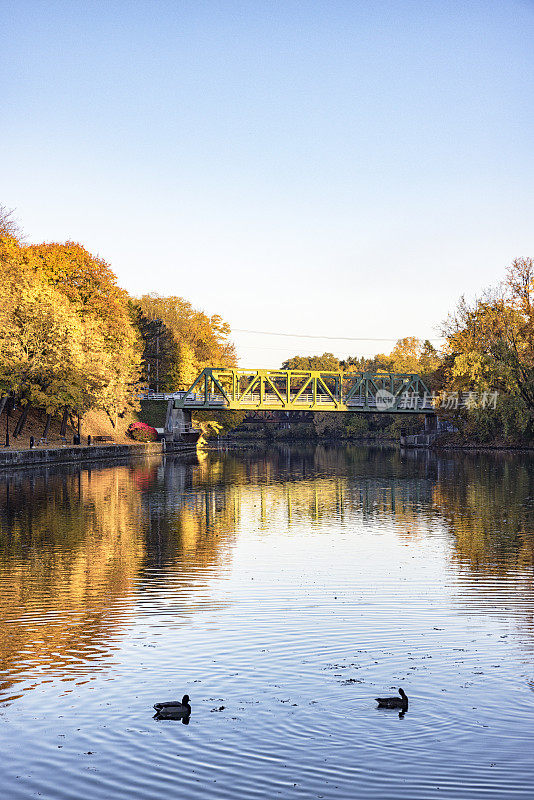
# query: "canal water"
[283,590]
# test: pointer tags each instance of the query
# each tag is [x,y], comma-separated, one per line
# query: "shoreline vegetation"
[75,348]
[446,442]
[443,443]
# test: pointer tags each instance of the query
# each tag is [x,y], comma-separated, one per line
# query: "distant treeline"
[483,376]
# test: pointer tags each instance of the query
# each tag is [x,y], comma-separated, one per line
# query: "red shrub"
[141,432]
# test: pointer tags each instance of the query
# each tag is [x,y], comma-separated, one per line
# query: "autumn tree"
[41,337]
[199,340]
[185,369]
[408,355]
[405,354]
[490,347]
[111,344]
[66,337]
[413,355]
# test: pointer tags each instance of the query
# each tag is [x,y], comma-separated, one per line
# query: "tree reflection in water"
[79,547]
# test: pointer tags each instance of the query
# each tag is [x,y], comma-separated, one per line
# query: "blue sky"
[337,168]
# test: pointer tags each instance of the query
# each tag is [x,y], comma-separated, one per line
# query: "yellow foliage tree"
[412,355]
[186,367]
[66,338]
[207,338]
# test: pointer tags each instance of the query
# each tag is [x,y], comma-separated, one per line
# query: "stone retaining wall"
[55,455]
[418,440]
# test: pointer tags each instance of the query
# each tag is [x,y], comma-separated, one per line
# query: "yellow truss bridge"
[305,390]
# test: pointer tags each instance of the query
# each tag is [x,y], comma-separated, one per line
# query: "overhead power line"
[366,352]
[316,336]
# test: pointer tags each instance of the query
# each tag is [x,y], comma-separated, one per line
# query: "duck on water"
[173,709]
[394,702]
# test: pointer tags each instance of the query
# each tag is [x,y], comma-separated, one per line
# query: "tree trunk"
[63,429]
[47,425]
[21,421]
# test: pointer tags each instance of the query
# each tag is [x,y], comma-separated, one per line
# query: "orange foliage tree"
[66,337]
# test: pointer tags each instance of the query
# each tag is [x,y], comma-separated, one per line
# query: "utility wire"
[316,336]
[272,348]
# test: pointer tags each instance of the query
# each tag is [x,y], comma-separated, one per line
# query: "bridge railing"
[305,400]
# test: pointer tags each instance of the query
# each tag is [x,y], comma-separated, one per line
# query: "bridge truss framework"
[306,390]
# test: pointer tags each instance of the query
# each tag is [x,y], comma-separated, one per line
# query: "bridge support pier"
[430,423]
[178,423]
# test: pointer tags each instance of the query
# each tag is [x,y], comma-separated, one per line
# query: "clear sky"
[343,168]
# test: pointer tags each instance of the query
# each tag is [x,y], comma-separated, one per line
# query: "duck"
[174,709]
[394,702]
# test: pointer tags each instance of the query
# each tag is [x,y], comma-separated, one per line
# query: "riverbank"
[372,441]
[481,448]
[442,444]
[78,454]
[22,425]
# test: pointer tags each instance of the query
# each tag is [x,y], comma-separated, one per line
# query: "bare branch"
[8,225]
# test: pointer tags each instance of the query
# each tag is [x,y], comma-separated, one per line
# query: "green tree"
[429,359]
[378,363]
[160,349]
[327,362]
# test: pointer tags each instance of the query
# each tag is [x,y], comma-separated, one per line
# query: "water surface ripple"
[283,590]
